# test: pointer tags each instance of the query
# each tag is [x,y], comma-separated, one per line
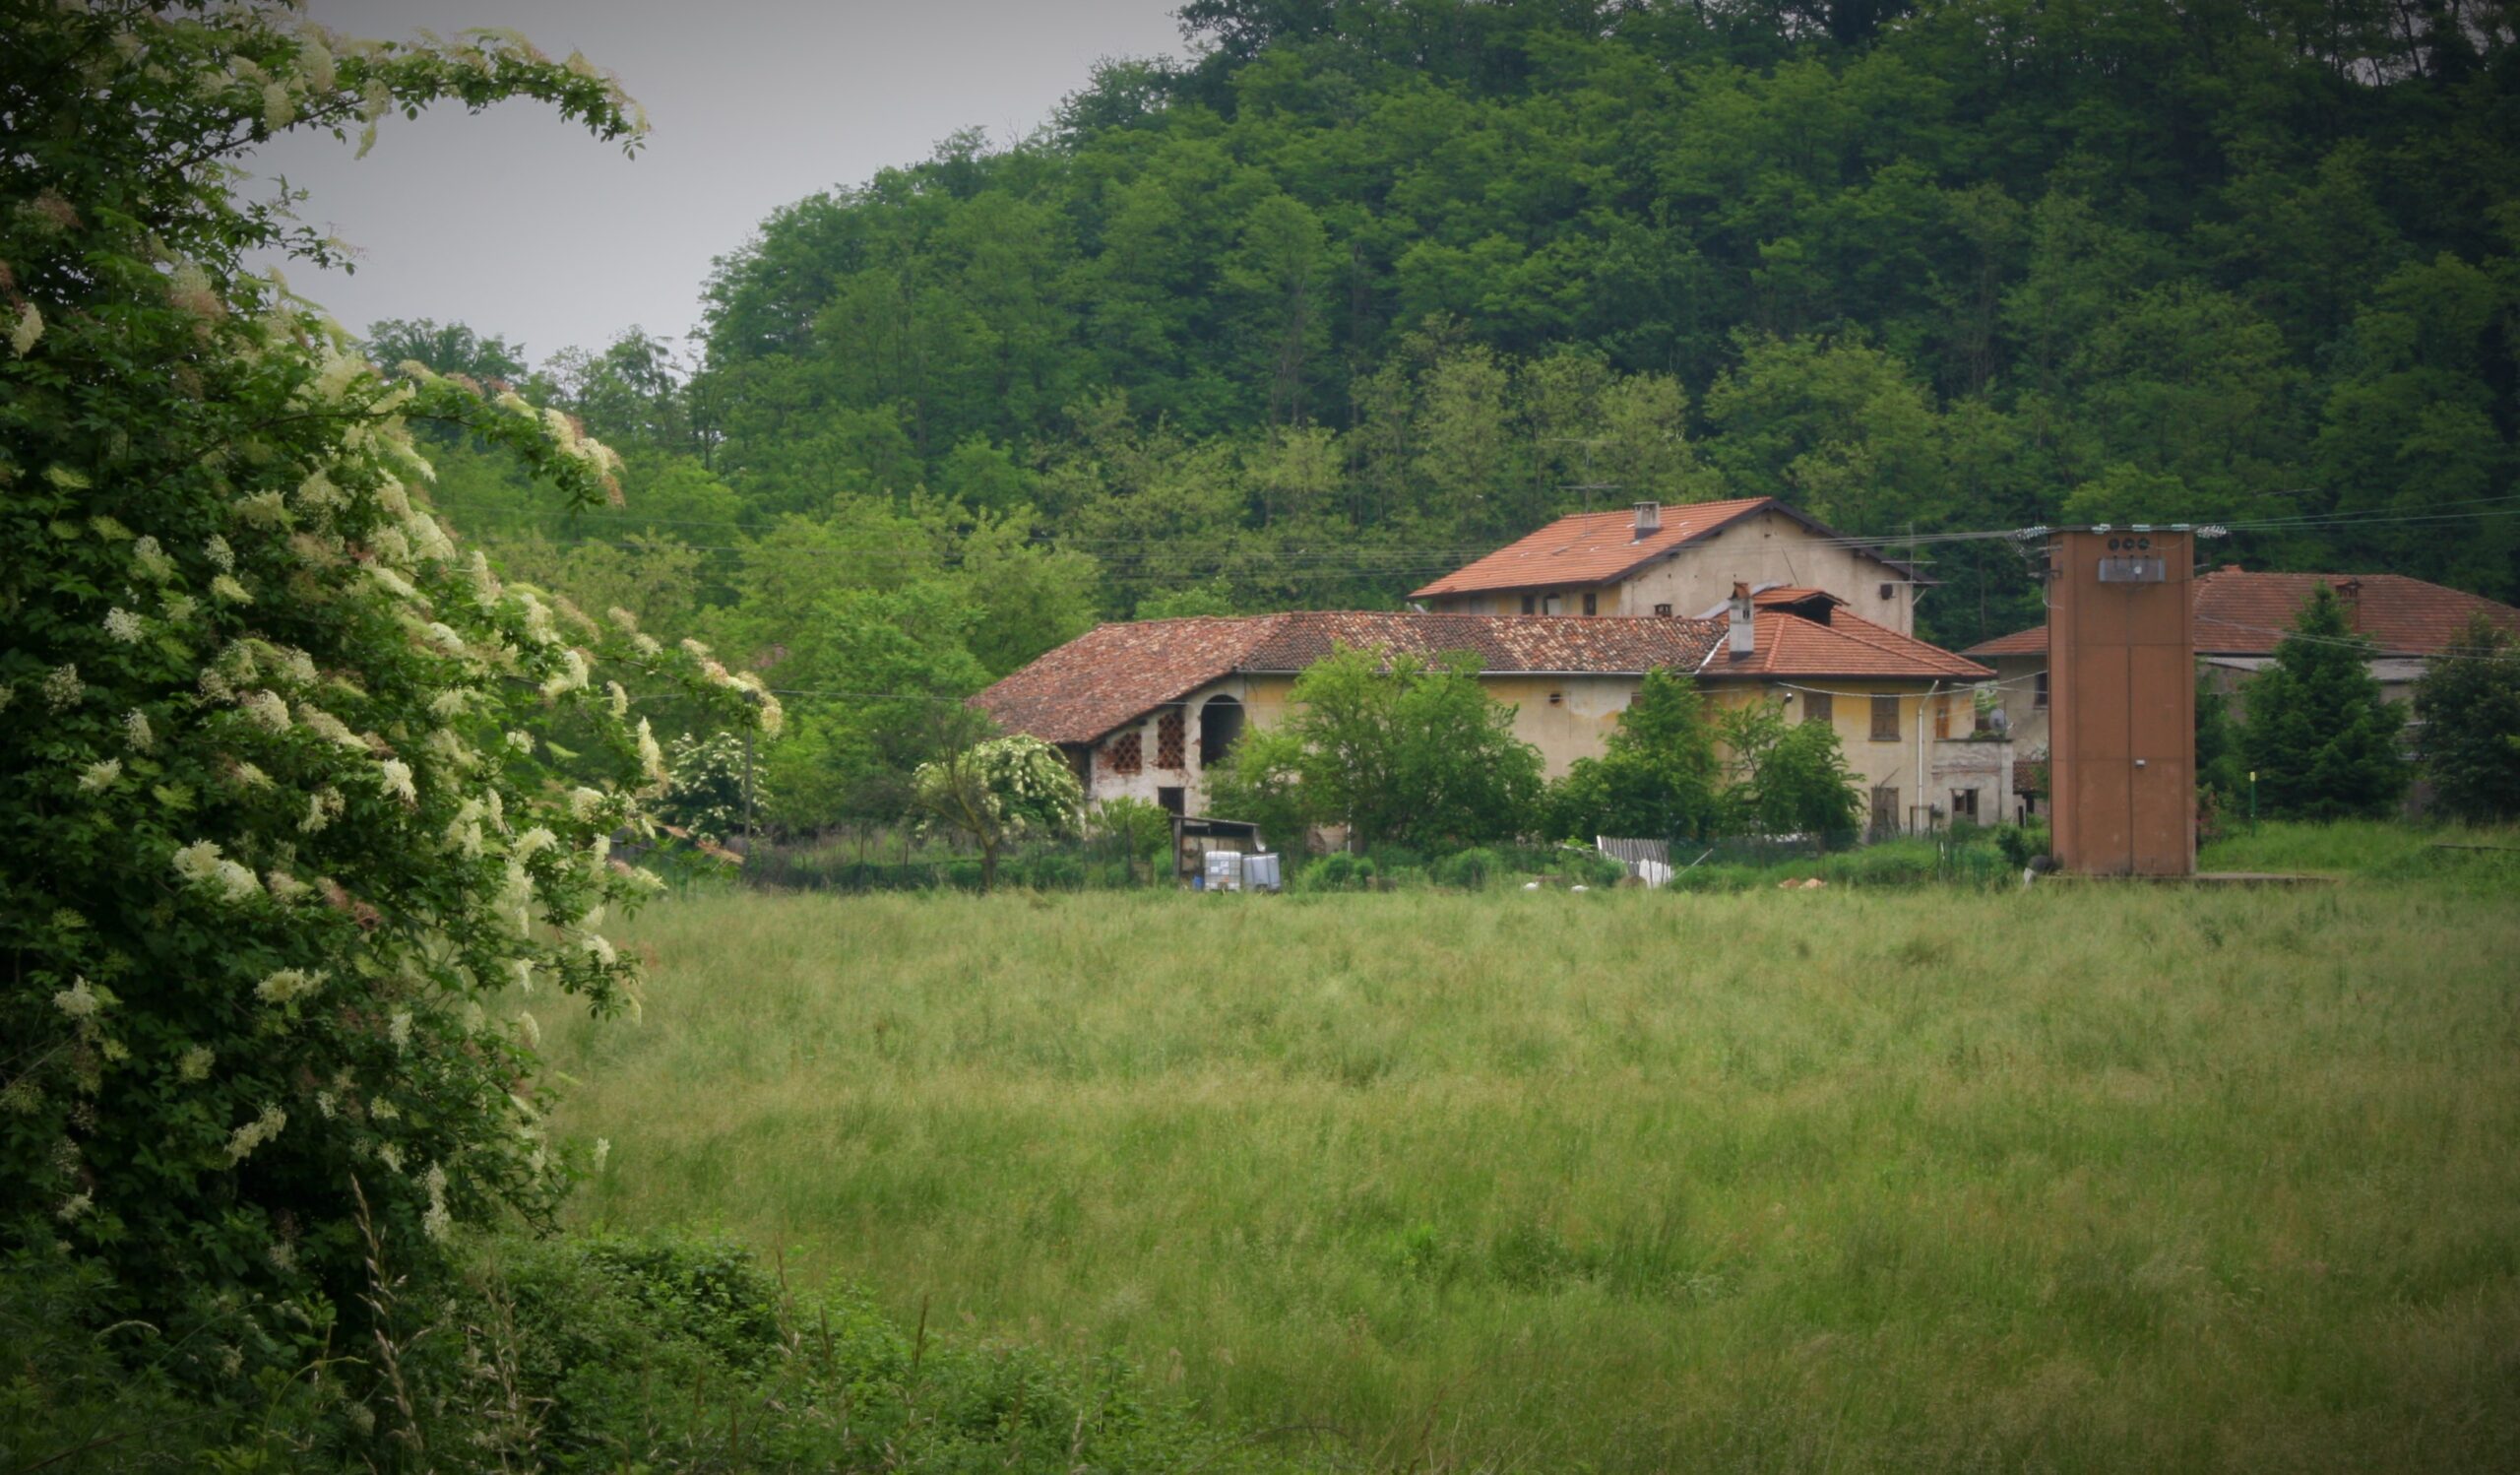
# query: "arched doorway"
[1219,723]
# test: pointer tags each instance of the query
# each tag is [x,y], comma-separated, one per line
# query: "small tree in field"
[2322,741]
[998,791]
[2468,707]
[284,825]
[1140,829]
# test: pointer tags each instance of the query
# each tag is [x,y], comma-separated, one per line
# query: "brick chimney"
[1744,626]
[2349,592]
[1649,520]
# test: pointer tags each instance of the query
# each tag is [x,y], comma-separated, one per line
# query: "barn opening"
[1220,725]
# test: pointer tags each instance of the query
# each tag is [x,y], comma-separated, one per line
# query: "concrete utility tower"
[2122,650]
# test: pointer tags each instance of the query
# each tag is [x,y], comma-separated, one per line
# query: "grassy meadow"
[2083,1177]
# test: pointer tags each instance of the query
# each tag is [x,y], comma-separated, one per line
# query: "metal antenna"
[1588,485]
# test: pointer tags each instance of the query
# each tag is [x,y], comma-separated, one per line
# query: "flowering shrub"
[291,831]
[705,785]
[1002,789]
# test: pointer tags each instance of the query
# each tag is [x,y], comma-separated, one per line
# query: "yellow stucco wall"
[1919,748]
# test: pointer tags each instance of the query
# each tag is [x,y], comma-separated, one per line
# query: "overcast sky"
[525,227]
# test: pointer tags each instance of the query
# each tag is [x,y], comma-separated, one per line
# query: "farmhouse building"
[1680,561]
[1146,709]
[2242,615]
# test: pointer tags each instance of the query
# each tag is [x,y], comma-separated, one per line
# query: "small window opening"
[1885,719]
[1168,744]
[1663,611]
[1529,605]
[1818,706]
[1889,591]
[1556,698]
[1220,725]
[1964,804]
[1125,754]
[1170,797]
[1591,605]
[2038,690]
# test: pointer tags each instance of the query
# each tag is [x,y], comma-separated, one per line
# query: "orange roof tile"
[1118,673]
[2239,613]
[1847,646]
[1599,548]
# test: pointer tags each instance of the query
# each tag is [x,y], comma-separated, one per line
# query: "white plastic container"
[1224,871]
[1260,873]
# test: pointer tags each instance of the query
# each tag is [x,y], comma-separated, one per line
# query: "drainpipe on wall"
[1923,791]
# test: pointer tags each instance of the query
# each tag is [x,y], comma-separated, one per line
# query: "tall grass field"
[2080,1176]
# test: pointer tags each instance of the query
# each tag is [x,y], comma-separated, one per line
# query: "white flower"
[391,582]
[225,587]
[178,607]
[268,708]
[249,776]
[391,1153]
[134,730]
[651,757]
[398,1029]
[63,689]
[76,1203]
[99,775]
[219,554]
[520,741]
[585,802]
[620,699]
[325,1104]
[571,676]
[384,1110]
[123,625]
[242,1142]
[29,329]
[281,1256]
[599,949]
[197,861]
[603,1150]
[288,984]
[195,1063]
[282,885]
[535,840]
[78,1000]
[524,968]
[449,704]
[394,777]
[531,1028]
[445,637]
[322,806]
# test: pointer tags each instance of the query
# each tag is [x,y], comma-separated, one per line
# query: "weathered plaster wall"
[1945,764]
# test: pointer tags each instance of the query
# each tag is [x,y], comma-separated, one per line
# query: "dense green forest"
[1366,287]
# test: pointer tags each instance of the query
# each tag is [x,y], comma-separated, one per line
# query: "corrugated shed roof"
[2239,613]
[1118,673]
[1790,647]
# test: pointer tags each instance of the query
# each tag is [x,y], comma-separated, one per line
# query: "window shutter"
[1885,719]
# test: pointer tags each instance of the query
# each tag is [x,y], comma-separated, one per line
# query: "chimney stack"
[1649,520]
[1744,642]
[2350,592]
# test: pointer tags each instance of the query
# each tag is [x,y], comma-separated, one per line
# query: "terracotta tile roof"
[2030,642]
[1614,646]
[1115,674]
[1849,645]
[1600,547]
[1791,595]
[2243,614]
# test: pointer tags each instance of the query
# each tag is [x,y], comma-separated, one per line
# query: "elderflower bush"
[997,792]
[275,852]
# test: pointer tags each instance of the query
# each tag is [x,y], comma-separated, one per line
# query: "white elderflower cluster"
[225,587]
[222,556]
[266,707]
[398,1029]
[584,804]
[194,1063]
[599,948]
[200,865]
[288,985]
[249,776]
[384,1110]
[29,328]
[436,1223]
[520,741]
[620,700]
[391,1154]
[651,757]
[99,775]
[571,676]
[77,1204]
[178,607]
[283,886]
[79,1001]
[123,625]
[242,1141]
[63,689]
[323,806]
[136,731]
[150,562]
[394,778]
[330,729]
[531,1028]
[443,636]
